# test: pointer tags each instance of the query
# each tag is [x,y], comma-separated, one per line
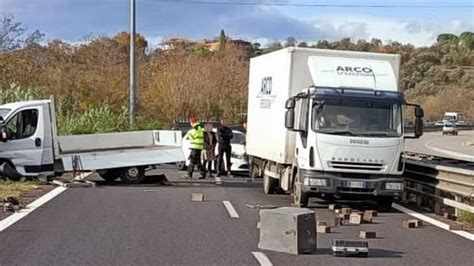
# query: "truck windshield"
[4,112]
[355,118]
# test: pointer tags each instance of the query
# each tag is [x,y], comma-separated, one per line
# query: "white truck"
[328,124]
[30,147]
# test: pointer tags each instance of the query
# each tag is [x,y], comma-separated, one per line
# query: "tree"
[447,37]
[290,41]
[466,39]
[273,47]
[302,44]
[12,34]
[222,40]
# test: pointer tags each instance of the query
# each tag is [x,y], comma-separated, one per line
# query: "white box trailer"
[31,147]
[293,85]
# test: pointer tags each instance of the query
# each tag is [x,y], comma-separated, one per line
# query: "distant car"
[450,128]
[439,123]
[238,163]
[460,123]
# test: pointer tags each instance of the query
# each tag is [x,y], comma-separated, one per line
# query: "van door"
[25,142]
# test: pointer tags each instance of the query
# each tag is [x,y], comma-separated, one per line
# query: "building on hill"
[177,43]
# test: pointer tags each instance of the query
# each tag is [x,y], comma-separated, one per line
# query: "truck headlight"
[317,182]
[394,186]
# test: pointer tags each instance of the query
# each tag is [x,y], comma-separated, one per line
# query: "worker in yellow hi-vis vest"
[196,139]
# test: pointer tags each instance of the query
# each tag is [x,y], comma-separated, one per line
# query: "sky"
[260,21]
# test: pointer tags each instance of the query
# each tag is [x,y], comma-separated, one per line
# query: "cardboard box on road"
[355,218]
[197,197]
[417,222]
[365,234]
[323,229]
[346,210]
[370,214]
[408,224]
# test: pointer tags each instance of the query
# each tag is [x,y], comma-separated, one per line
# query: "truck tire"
[384,204]
[300,198]
[269,184]
[109,174]
[181,165]
[132,175]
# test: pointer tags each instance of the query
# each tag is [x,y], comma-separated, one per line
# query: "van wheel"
[181,165]
[132,175]
[269,184]
[109,174]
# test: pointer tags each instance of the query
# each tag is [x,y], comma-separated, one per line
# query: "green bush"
[467,218]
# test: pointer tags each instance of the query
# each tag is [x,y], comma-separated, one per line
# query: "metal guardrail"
[438,128]
[443,185]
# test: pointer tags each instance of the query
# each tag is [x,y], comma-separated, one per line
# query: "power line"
[210,2]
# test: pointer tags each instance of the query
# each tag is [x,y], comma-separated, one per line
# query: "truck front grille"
[356,166]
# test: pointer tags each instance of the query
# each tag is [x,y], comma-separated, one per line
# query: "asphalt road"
[149,224]
[457,147]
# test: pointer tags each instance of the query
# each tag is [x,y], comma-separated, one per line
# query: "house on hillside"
[177,43]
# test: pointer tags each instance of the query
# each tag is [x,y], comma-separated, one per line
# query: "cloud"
[419,33]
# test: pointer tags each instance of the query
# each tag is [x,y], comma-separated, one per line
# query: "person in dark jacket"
[209,152]
[224,136]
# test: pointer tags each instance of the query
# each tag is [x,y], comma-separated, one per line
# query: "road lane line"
[218,181]
[262,259]
[12,219]
[22,213]
[433,221]
[230,209]
[447,152]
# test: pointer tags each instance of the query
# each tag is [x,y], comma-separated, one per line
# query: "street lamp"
[133,80]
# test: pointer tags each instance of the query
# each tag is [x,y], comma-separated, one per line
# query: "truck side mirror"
[419,112]
[290,103]
[418,126]
[290,119]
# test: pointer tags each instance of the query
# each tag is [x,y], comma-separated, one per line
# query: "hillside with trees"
[90,79]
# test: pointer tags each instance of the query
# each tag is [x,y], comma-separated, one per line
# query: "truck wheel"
[300,198]
[132,175]
[181,165]
[384,204]
[109,174]
[269,184]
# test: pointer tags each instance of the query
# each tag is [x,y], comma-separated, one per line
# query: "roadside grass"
[15,188]
[467,218]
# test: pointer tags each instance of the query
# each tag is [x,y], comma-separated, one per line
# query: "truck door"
[302,135]
[25,142]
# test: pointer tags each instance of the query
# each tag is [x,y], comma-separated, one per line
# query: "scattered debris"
[258,206]
[8,207]
[321,223]
[324,229]
[449,216]
[456,226]
[370,213]
[197,197]
[408,224]
[365,234]
[290,230]
[367,220]
[346,210]
[355,218]
[417,222]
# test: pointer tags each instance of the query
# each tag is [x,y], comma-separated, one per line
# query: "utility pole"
[133,69]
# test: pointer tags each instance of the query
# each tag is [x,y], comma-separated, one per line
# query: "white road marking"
[10,220]
[433,221]
[262,259]
[230,209]
[446,152]
[218,181]
[22,213]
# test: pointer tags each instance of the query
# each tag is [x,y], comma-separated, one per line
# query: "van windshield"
[356,118]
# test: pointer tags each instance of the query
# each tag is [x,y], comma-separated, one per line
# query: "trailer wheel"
[269,184]
[109,174]
[132,175]
[384,204]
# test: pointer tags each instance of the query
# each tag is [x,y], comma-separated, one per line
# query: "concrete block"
[370,213]
[417,222]
[355,218]
[408,224]
[346,210]
[290,230]
[323,229]
[197,197]
[365,234]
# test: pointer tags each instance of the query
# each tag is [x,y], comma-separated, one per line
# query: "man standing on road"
[224,136]
[196,139]
[209,152]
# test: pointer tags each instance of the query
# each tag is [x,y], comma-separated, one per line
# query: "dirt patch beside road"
[25,191]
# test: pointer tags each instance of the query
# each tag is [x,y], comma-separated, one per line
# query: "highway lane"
[457,147]
[158,225]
